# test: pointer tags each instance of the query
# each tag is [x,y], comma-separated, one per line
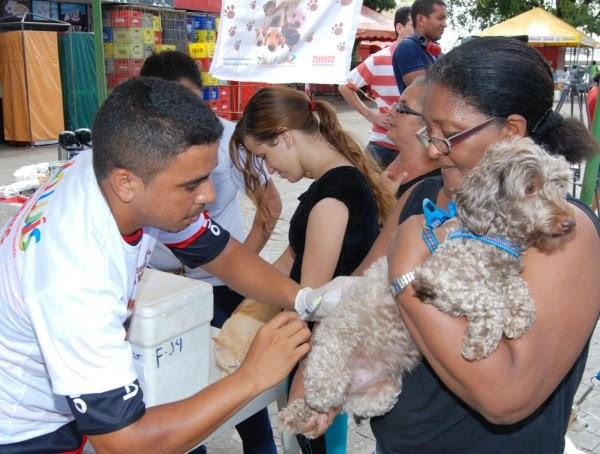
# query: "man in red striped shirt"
[377,72]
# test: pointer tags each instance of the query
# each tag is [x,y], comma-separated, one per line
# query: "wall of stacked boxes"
[133,33]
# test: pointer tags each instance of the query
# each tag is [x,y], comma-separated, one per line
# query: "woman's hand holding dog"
[317,423]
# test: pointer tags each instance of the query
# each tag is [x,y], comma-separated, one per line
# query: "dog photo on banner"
[286,41]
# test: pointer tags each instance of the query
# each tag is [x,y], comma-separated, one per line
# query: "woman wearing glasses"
[404,119]
[412,164]
[337,218]
[519,399]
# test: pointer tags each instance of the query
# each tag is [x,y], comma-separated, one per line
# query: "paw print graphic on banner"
[230,11]
[294,35]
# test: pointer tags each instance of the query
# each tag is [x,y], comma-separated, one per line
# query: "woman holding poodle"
[338,217]
[518,399]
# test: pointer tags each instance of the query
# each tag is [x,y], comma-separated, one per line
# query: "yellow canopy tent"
[542,28]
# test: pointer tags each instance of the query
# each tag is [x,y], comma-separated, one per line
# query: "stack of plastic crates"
[130,34]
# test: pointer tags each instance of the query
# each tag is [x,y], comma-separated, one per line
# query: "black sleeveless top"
[348,185]
[429,418]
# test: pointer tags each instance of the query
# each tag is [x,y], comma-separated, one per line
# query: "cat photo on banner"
[286,41]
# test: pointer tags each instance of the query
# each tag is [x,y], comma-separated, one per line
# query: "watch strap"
[398,285]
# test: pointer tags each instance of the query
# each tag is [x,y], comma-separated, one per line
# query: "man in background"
[415,53]
[376,71]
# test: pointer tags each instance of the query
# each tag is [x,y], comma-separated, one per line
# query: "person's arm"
[372,116]
[179,426]
[520,375]
[258,236]
[325,231]
[285,261]
[251,276]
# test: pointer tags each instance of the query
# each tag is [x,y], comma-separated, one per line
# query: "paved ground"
[586,435]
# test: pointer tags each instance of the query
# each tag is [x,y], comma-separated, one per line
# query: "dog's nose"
[567,225]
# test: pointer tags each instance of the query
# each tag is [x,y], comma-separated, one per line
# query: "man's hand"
[316,304]
[276,349]
[378,118]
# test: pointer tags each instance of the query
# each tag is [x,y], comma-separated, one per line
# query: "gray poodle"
[515,198]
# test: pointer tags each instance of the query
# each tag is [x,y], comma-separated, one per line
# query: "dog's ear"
[478,194]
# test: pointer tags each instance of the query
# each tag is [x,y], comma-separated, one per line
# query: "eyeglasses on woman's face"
[404,109]
[445,145]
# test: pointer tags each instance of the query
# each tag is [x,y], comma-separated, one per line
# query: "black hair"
[146,122]
[501,76]
[172,65]
[402,16]
[424,7]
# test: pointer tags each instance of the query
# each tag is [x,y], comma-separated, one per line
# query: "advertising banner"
[286,41]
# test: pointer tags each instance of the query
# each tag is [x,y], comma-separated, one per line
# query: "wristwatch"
[401,282]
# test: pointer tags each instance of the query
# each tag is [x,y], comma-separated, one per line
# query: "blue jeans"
[383,155]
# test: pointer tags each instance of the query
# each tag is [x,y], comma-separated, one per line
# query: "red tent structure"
[373,26]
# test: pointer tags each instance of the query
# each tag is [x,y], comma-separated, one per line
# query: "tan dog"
[238,331]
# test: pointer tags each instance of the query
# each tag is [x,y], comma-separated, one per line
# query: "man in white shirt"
[71,260]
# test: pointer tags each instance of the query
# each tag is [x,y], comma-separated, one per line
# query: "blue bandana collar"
[434,216]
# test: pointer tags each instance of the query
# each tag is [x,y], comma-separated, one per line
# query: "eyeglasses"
[404,109]
[445,145]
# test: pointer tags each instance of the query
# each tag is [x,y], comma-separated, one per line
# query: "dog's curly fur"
[359,355]
[517,192]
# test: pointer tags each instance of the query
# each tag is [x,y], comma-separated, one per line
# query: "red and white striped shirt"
[377,72]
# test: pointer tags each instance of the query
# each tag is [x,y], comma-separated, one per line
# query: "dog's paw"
[297,415]
[519,320]
[475,349]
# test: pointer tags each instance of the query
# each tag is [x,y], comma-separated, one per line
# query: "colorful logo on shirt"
[35,217]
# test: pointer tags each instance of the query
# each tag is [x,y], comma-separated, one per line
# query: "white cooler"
[170,336]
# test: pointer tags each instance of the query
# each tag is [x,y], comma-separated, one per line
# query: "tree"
[380,5]
[481,14]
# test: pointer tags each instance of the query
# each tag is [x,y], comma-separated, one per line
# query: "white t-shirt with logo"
[68,284]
